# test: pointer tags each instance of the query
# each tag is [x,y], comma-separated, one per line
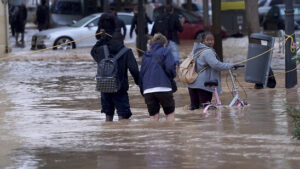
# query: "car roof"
[119,13]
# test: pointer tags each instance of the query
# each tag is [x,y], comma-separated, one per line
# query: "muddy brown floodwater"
[50,119]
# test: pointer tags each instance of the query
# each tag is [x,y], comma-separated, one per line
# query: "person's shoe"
[122,118]
[193,108]
[109,118]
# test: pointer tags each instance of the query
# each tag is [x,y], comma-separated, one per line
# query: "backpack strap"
[121,53]
[195,56]
[106,52]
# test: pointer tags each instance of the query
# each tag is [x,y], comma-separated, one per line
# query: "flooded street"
[50,119]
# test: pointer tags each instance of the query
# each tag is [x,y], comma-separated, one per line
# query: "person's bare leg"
[171,117]
[154,118]
[22,38]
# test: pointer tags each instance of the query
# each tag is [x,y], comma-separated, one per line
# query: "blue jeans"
[119,100]
[173,47]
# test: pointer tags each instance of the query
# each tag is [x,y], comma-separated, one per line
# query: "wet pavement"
[50,118]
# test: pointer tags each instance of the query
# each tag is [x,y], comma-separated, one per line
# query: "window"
[95,21]
[126,19]
[189,17]
[84,20]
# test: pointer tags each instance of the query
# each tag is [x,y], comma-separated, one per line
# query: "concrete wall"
[3,33]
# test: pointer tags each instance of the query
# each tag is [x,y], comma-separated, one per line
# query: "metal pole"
[5,20]
[290,77]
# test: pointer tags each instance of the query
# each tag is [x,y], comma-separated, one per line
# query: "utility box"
[234,17]
[259,59]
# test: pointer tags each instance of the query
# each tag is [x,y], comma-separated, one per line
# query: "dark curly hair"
[202,36]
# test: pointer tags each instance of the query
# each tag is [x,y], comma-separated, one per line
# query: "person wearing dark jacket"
[43,16]
[120,24]
[21,17]
[134,26]
[13,10]
[118,100]
[160,18]
[175,24]
[155,81]
[134,23]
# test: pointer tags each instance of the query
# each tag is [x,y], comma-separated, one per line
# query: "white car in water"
[82,32]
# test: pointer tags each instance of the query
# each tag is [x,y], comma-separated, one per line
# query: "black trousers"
[199,97]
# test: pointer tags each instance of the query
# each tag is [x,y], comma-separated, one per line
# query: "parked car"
[197,8]
[275,17]
[193,25]
[83,28]
[265,5]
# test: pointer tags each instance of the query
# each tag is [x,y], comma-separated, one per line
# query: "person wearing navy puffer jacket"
[154,78]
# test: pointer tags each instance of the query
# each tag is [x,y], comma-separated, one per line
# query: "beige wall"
[2,29]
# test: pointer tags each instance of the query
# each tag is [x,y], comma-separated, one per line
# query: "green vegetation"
[297,58]
[294,112]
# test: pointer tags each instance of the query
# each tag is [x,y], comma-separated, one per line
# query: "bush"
[294,113]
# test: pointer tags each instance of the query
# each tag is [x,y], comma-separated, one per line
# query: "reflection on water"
[53,114]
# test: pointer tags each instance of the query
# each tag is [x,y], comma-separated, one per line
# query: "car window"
[84,21]
[188,16]
[262,3]
[275,2]
[282,11]
[296,11]
[66,7]
[194,7]
[125,18]
[95,21]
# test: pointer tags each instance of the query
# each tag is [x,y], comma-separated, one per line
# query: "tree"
[141,40]
[205,15]
[216,17]
[252,18]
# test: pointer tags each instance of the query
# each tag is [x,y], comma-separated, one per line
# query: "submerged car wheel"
[64,43]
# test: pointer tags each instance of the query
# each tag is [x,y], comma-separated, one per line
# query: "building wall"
[2,29]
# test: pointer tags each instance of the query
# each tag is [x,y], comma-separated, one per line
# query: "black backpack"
[107,72]
[161,25]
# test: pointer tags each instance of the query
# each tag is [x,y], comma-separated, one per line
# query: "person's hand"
[237,66]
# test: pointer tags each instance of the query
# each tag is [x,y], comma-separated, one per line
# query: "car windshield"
[296,11]
[83,21]
[66,7]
